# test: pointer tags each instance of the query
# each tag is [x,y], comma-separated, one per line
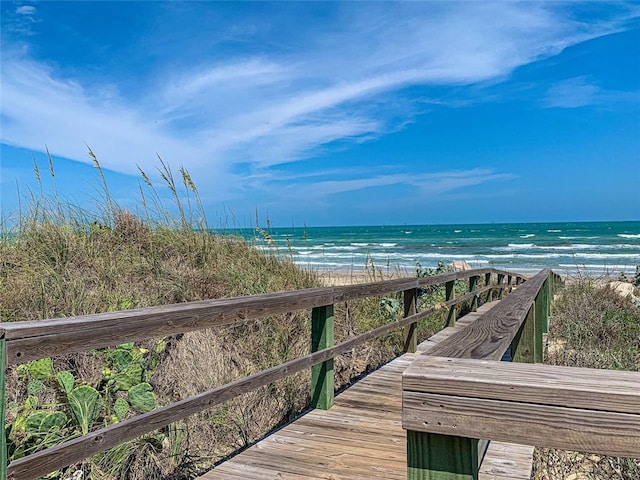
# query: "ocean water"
[569,248]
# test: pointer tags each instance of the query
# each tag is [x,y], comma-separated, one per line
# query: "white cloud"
[26,10]
[572,93]
[284,106]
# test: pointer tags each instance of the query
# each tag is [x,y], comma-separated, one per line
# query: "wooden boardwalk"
[360,437]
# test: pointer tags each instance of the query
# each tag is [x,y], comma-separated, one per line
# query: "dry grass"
[598,329]
[63,261]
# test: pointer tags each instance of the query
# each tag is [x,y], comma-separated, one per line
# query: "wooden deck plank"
[360,437]
[507,461]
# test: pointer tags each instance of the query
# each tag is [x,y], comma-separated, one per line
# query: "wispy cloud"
[275,107]
[581,92]
[26,10]
[572,93]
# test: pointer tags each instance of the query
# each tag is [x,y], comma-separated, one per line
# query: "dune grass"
[593,327]
[59,259]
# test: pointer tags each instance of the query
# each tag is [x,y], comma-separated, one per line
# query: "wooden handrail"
[491,335]
[570,408]
[444,414]
[31,340]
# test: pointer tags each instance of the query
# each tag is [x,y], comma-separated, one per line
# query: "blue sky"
[331,113]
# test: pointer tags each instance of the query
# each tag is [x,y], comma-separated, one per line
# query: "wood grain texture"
[44,338]
[411,330]
[322,374]
[507,461]
[361,437]
[75,450]
[608,433]
[490,336]
[583,388]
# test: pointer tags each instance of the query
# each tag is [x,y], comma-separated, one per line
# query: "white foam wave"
[628,235]
[554,231]
[528,235]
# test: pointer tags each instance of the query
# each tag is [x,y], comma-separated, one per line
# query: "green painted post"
[540,327]
[487,282]
[473,284]
[410,331]
[500,280]
[322,375]
[3,399]
[549,298]
[431,456]
[523,347]
[450,293]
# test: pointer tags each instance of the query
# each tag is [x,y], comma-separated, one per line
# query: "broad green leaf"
[142,398]
[121,359]
[34,421]
[85,403]
[41,369]
[66,381]
[34,387]
[130,377]
[54,421]
[121,407]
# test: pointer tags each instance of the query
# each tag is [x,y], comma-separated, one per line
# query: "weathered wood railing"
[458,393]
[24,341]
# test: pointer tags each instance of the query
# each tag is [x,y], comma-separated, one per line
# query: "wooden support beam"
[500,280]
[410,331]
[3,402]
[487,282]
[322,375]
[541,325]
[523,347]
[473,285]
[441,457]
[450,293]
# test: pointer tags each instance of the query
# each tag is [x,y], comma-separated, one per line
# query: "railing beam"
[487,282]
[3,400]
[473,285]
[410,331]
[500,280]
[450,293]
[523,347]
[322,375]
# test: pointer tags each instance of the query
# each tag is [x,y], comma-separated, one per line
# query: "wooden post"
[509,278]
[473,284]
[524,344]
[322,375]
[540,325]
[549,298]
[431,456]
[500,280]
[450,293]
[3,399]
[410,331]
[487,282]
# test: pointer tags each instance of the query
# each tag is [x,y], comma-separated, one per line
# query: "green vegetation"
[593,326]
[61,260]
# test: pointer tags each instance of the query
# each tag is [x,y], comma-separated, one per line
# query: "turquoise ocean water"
[591,248]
